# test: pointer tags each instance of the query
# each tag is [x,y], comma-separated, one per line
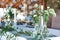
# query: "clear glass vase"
[40,32]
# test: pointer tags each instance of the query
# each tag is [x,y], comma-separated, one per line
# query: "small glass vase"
[40,32]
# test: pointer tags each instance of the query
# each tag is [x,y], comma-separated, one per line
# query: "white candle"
[41,16]
[41,20]
[15,16]
[41,7]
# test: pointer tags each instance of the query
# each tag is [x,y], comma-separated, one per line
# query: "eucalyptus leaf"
[36,19]
[45,16]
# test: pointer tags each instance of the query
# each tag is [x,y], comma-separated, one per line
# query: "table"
[55,38]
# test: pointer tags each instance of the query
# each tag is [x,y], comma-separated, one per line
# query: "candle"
[15,17]
[41,16]
[41,7]
[41,20]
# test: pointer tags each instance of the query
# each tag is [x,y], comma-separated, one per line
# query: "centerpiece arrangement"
[40,18]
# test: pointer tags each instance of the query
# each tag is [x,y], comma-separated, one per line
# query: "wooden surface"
[15,4]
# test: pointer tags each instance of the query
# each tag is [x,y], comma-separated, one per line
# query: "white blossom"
[36,5]
[52,12]
[34,15]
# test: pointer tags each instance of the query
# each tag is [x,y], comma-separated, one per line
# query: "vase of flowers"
[40,19]
[9,14]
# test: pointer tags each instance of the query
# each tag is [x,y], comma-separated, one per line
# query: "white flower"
[36,5]
[34,15]
[52,12]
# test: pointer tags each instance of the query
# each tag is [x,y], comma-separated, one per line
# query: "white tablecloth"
[22,38]
[17,38]
[55,38]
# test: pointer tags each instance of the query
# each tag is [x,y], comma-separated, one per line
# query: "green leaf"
[36,19]
[45,16]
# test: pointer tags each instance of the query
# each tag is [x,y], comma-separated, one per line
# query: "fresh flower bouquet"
[40,18]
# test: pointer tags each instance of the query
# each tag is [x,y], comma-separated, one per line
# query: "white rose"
[36,5]
[34,15]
